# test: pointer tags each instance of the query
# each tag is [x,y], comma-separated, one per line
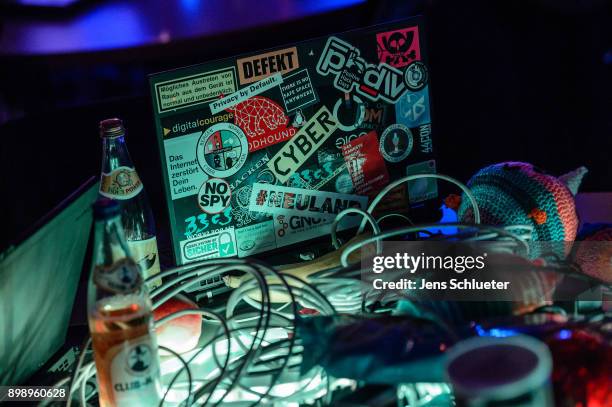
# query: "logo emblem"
[412,109]
[123,178]
[222,150]
[283,226]
[396,143]
[353,73]
[416,76]
[140,358]
[398,48]
[226,244]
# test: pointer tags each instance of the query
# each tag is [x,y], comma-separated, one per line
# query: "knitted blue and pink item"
[516,193]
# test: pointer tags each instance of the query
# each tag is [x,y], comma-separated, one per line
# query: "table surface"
[118,24]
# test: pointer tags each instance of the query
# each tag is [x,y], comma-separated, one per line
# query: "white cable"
[408,178]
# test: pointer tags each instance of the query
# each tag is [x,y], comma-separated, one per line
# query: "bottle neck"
[115,154]
[110,243]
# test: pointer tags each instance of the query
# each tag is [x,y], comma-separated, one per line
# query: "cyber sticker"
[299,148]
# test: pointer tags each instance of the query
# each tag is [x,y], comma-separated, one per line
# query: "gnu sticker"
[398,48]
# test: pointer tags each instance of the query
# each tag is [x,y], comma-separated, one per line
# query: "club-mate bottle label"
[134,371]
[144,253]
[121,183]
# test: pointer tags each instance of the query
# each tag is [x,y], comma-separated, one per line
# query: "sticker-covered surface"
[263,150]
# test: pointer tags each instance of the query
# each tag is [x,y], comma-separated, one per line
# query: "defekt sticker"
[396,143]
[222,150]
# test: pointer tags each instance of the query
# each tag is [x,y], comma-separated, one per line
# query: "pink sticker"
[400,47]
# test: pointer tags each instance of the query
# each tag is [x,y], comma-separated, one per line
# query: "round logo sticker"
[222,150]
[214,196]
[396,143]
[140,358]
[416,76]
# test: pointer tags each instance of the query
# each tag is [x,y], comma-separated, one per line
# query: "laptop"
[39,276]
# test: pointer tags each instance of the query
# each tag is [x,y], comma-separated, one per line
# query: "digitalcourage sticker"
[222,150]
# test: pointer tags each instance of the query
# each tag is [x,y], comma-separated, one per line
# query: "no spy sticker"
[214,196]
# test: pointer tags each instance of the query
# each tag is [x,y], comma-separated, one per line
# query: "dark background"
[511,80]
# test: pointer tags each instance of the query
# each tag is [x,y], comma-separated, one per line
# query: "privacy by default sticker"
[321,125]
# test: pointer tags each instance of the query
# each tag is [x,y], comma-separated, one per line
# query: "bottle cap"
[112,128]
[105,208]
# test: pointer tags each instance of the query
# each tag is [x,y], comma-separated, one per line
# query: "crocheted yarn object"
[516,193]
[594,251]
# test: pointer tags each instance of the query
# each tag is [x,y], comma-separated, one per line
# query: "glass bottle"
[120,181]
[120,318]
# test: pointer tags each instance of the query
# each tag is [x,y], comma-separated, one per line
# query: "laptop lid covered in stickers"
[263,150]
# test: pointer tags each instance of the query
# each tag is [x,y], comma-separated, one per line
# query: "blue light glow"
[495,332]
[564,334]
[448,216]
[191,5]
